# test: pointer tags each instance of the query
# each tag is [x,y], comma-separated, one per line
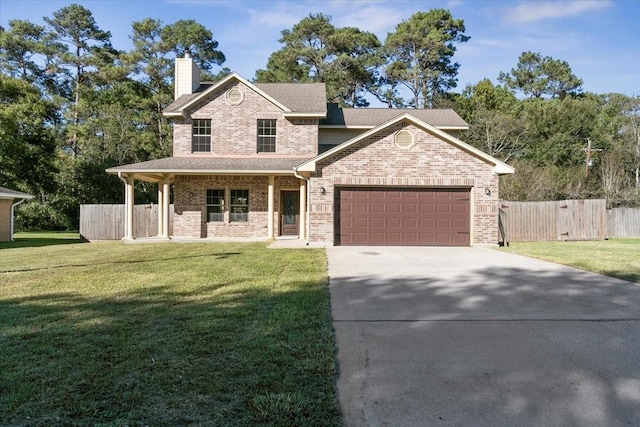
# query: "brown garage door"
[395,216]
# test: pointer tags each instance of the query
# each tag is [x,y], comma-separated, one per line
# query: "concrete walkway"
[478,337]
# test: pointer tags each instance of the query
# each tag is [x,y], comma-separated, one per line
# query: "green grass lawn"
[108,334]
[617,257]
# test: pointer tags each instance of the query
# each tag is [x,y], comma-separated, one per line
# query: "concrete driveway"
[478,337]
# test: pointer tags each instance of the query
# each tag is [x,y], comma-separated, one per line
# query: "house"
[265,160]
[7,206]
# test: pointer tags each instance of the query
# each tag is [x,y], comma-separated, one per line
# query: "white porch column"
[165,207]
[303,209]
[160,208]
[129,201]
[270,209]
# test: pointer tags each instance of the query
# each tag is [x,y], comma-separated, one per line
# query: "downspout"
[307,225]
[11,221]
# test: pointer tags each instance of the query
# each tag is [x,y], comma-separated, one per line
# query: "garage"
[403,216]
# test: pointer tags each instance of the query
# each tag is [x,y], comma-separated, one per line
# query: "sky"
[598,38]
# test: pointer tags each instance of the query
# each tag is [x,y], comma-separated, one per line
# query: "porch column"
[128,229]
[160,208]
[270,204]
[303,209]
[165,207]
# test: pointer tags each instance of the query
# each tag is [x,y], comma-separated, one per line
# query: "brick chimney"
[187,76]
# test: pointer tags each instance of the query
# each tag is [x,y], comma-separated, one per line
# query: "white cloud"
[534,11]
[372,17]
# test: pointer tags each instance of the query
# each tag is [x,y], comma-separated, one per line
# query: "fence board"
[559,220]
[623,222]
[107,222]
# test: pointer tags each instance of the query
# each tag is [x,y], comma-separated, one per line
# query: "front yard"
[164,334]
[617,257]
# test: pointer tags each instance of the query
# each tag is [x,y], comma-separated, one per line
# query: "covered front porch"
[222,196]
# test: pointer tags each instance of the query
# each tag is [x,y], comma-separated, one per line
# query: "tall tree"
[26,50]
[420,53]
[77,30]
[316,51]
[537,76]
[153,67]
[27,138]
[187,36]
[493,114]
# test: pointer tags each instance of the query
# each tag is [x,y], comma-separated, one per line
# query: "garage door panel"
[377,207]
[360,222]
[360,208]
[377,222]
[393,222]
[393,207]
[410,223]
[461,208]
[395,216]
[410,208]
[393,238]
[459,223]
[443,208]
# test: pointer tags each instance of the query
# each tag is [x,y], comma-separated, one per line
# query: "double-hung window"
[201,139]
[215,205]
[266,136]
[239,206]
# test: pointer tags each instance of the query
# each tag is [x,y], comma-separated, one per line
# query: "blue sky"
[598,38]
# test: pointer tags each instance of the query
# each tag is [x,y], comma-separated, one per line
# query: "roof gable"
[293,99]
[499,167]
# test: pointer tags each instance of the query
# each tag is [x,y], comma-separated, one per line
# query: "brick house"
[8,203]
[265,160]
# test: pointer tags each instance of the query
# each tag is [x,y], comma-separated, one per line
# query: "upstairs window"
[201,140]
[239,206]
[266,136]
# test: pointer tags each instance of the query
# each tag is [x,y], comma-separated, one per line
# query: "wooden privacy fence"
[559,220]
[106,222]
[623,222]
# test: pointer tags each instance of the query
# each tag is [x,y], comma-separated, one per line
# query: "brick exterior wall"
[234,127]
[429,162]
[5,219]
[190,198]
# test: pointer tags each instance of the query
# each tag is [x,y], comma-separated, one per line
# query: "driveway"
[477,337]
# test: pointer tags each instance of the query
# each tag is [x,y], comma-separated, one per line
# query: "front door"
[289,213]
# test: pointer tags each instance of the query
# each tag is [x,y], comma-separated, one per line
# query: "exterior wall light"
[323,190]
[487,191]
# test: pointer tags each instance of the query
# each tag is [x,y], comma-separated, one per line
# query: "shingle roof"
[369,117]
[297,97]
[212,165]
[183,99]
[7,193]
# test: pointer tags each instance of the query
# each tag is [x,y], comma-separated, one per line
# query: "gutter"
[307,222]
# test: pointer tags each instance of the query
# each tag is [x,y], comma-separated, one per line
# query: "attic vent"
[404,139]
[235,96]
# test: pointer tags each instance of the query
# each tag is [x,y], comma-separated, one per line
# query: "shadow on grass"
[213,354]
[221,255]
[37,240]
[631,277]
